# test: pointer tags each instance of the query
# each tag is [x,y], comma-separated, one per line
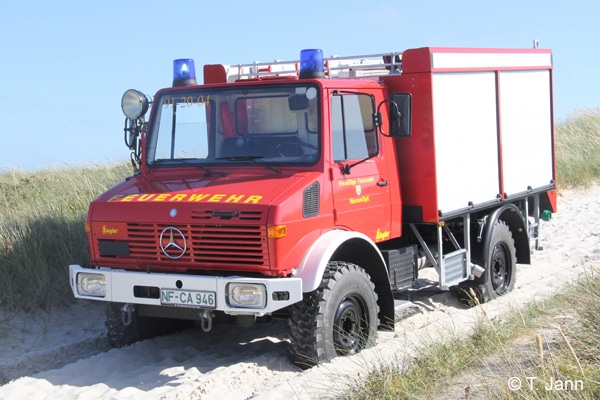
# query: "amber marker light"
[277,231]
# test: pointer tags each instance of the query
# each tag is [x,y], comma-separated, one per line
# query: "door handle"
[383,183]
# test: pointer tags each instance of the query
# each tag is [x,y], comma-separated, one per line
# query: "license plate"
[188,298]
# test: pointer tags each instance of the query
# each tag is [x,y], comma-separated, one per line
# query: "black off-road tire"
[500,264]
[140,328]
[339,318]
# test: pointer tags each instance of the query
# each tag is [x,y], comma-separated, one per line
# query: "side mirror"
[401,115]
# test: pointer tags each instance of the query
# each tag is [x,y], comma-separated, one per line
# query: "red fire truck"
[315,190]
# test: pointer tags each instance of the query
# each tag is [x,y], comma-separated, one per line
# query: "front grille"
[208,245]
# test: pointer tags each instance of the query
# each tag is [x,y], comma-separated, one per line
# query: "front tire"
[339,318]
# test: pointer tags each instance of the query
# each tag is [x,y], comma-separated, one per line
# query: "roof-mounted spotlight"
[134,104]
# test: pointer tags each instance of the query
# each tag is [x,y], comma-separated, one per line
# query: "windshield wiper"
[207,172]
[252,159]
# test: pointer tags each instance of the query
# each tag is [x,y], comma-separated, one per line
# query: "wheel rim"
[501,268]
[350,326]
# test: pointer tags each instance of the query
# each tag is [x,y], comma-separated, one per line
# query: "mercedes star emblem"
[172,243]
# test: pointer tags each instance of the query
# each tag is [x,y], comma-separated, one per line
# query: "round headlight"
[134,104]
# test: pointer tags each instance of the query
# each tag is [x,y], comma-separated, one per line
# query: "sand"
[64,354]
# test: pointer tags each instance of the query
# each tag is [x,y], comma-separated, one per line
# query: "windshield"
[270,125]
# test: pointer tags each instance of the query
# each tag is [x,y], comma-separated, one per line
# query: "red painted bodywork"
[138,210]
[369,200]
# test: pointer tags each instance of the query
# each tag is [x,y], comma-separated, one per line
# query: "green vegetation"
[578,149]
[42,218]
[547,351]
[42,214]
[42,232]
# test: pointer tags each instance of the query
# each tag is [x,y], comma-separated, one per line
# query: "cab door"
[359,174]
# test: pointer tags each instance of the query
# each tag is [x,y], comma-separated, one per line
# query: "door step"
[403,309]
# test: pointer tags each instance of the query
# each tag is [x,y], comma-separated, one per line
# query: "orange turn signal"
[277,231]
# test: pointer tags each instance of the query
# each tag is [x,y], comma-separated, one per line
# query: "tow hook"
[127,313]
[206,320]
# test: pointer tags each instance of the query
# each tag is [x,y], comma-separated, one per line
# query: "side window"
[353,134]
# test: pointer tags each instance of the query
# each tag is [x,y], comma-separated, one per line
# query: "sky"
[64,65]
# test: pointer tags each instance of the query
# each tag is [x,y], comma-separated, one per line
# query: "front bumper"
[122,286]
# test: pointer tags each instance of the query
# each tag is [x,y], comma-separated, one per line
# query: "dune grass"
[578,148]
[42,232]
[42,214]
[549,350]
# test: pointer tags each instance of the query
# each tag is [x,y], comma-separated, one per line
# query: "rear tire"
[500,266]
[339,318]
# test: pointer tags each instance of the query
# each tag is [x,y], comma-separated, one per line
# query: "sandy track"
[65,355]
